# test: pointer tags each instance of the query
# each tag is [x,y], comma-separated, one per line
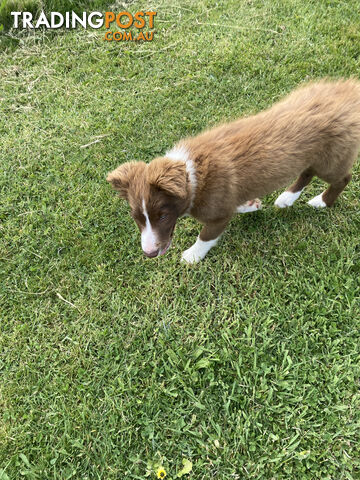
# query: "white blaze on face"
[149,239]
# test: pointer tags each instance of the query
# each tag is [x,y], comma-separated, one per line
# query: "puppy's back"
[328,106]
[317,125]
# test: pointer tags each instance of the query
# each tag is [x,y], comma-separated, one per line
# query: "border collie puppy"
[313,131]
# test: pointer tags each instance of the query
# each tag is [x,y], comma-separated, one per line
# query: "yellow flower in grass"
[161,473]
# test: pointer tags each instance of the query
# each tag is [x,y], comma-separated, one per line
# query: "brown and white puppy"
[313,131]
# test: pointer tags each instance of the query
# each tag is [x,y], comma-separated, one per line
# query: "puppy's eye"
[163,217]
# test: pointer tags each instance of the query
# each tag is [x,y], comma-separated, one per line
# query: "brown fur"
[313,131]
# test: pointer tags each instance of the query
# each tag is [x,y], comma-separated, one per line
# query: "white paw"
[198,251]
[250,206]
[317,202]
[191,255]
[286,199]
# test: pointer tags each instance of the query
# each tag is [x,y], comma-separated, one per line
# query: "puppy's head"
[158,193]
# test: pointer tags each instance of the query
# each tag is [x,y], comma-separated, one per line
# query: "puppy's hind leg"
[327,198]
[287,198]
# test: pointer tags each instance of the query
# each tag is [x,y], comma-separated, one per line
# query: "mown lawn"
[247,364]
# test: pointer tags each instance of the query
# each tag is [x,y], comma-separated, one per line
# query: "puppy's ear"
[168,175]
[123,176]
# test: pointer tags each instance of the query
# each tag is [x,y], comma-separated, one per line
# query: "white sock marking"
[286,199]
[180,153]
[250,206]
[148,238]
[198,251]
[317,201]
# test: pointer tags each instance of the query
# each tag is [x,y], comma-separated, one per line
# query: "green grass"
[247,364]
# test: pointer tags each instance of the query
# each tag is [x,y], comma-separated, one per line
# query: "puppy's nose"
[152,253]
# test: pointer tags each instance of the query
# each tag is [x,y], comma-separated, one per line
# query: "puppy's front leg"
[207,239]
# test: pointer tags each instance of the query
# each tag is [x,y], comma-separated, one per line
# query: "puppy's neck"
[182,154]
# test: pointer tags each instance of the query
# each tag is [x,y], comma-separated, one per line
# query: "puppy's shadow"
[272,222]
